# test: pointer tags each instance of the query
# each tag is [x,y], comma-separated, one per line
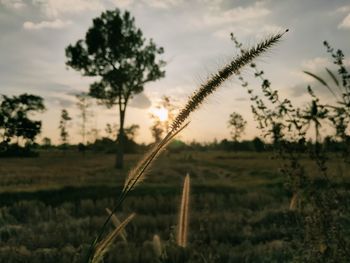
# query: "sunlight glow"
[161,113]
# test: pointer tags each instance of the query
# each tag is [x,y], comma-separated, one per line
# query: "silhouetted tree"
[116,51]
[131,131]
[83,105]
[238,124]
[111,130]
[259,145]
[46,142]
[161,126]
[14,117]
[65,118]
[95,134]
[157,131]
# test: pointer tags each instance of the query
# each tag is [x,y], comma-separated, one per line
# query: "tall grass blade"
[137,175]
[336,81]
[183,218]
[102,247]
[319,79]
[116,222]
[333,77]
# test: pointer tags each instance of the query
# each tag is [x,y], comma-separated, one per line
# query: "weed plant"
[319,207]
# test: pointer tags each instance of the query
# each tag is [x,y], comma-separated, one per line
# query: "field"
[52,207]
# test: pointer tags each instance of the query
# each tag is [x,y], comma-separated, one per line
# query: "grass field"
[53,206]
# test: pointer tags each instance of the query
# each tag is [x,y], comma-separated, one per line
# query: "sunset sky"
[195,35]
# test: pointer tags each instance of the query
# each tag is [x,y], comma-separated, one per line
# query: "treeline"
[17,129]
[19,132]
[109,146]
[254,145]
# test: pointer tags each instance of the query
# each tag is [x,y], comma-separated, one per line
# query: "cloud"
[163,4]
[241,99]
[214,5]
[13,4]
[234,15]
[246,30]
[345,24]
[156,4]
[55,8]
[54,24]
[122,3]
[346,62]
[315,64]
[248,20]
[301,89]
[140,101]
[343,9]
[59,100]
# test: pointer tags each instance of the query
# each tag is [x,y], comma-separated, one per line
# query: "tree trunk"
[119,161]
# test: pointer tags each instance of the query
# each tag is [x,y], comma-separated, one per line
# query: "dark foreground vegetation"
[51,206]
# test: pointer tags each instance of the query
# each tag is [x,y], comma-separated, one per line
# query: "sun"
[161,113]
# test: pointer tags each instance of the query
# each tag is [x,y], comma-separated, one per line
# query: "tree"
[259,145]
[65,118]
[14,117]
[83,105]
[131,131]
[46,142]
[157,131]
[111,130]
[238,124]
[116,52]
[163,116]
[94,134]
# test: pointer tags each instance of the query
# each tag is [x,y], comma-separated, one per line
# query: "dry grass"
[184,214]
[102,247]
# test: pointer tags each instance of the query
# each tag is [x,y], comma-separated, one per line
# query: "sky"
[195,35]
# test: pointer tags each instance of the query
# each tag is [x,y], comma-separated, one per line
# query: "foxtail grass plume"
[217,79]
[183,218]
[137,174]
[102,247]
[116,222]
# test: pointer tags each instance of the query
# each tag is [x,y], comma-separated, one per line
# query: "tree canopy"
[14,117]
[63,126]
[115,51]
[237,124]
